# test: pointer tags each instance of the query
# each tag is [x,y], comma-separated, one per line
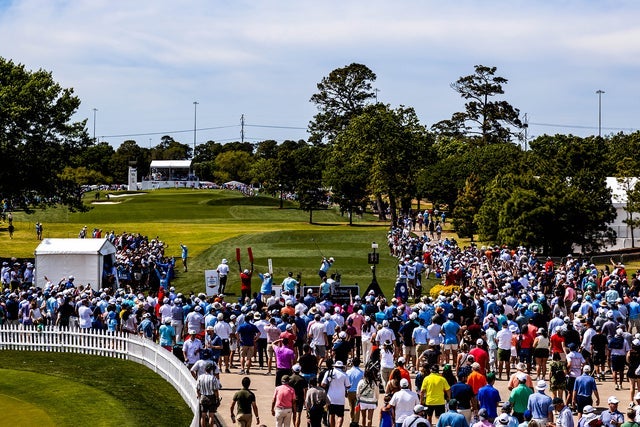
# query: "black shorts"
[438,409]
[337,410]
[504,355]
[541,353]
[617,362]
[225,348]
[598,358]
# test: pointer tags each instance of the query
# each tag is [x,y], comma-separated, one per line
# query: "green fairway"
[212,223]
[63,389]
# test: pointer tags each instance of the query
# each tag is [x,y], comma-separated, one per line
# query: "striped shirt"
[207,384]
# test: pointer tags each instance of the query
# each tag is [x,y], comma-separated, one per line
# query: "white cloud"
[143,63]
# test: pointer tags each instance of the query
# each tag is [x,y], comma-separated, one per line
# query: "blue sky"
[142,64]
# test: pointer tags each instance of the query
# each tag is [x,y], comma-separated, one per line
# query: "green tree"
[83,176]
[442,182]
[489,120]
[467,205]
[341,96]
[388,148]
[308,161]
[97,157]
[170,149]
[129,153]
[233,166]
[37,136]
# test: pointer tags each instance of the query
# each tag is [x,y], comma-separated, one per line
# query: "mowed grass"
[212,223]
[64,389]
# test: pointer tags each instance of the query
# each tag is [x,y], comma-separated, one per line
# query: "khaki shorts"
[409,350]
[270,351]
[247,351]
[450,346]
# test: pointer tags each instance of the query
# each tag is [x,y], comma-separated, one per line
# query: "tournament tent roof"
[75,246]
[186,164]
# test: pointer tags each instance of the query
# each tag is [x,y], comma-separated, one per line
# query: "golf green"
[20,413]
[39,399]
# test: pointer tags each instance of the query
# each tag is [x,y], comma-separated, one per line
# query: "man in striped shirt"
[207,388]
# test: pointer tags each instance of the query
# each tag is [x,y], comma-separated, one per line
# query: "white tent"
[88,260]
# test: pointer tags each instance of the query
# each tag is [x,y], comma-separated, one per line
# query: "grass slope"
[66,389]
[213,223]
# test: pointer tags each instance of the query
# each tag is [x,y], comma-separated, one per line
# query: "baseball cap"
[419,408]
[297,367]
[479,341]
[588,409]
[401,360]
[338,364]
[404,383]
[613,399]
[586,368]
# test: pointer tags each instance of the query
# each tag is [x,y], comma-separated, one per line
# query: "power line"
[274,127]
[579,126]
[166,132]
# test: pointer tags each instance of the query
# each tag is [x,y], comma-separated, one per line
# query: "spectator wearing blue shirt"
[248,335]
[540,405]
[489,397]
[451,332]
[355,374]
[583,388]
[452,417]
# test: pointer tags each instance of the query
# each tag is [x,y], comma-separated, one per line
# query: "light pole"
[95,110]
[599,92]
[195,120]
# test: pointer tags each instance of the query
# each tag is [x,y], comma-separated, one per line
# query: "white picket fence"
[101,343]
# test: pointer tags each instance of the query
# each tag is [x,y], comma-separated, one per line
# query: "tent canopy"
[90,261]
[173,164]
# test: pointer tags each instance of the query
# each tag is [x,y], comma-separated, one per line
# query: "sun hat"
[338,364]
[613,399]
[541,385]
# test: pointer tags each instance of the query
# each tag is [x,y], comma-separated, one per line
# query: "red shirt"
[525,341]
[556,343]
[482,357]
[245,281]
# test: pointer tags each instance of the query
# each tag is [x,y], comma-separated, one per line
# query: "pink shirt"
[358,321]
[284,396]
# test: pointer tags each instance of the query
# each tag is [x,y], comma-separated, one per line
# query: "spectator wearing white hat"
[337,383]
[404,401]
[588,415]
[540,405]
[223,272]
[584,387]
[612,417]
[452,334]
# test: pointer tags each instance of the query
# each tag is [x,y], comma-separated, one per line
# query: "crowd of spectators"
[500,314]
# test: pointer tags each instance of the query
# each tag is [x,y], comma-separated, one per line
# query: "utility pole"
[599,92]
[376,90]
[95,110]
[195,119]
[525,125]
[242,128]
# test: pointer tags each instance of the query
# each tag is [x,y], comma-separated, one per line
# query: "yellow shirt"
[434,387]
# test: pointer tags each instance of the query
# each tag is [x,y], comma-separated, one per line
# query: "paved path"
[263,386]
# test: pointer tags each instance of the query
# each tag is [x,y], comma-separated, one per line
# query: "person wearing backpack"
[619,348]
[558,375]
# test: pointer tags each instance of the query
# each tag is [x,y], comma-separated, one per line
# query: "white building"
[619,198]
[170,174]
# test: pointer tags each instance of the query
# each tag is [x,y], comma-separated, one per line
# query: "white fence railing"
[101,343]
